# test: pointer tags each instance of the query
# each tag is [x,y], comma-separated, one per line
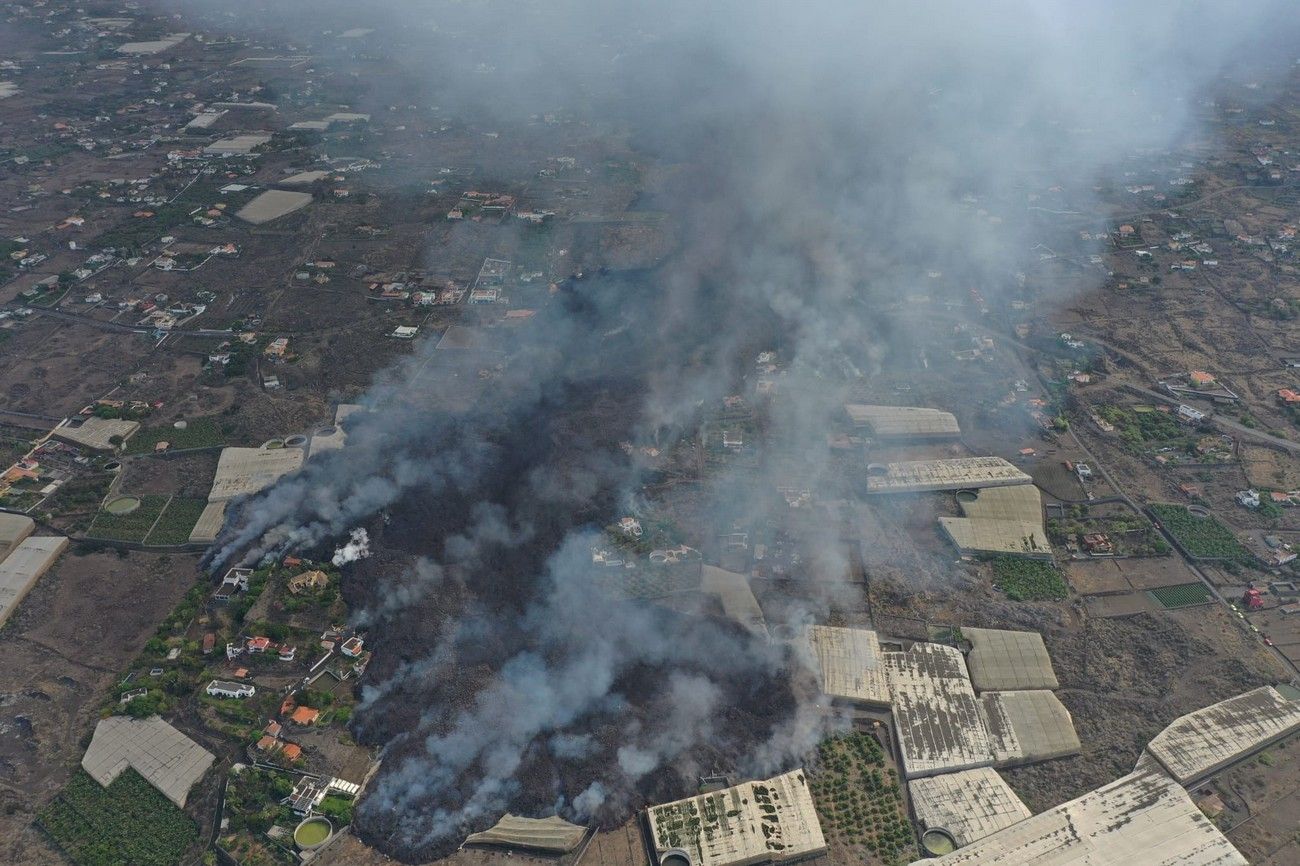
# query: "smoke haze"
[821,162]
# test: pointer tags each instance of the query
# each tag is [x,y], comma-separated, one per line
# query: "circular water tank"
[181,425]
[938,841]
[877,469]
[120,505]
[295,441]
[675,857]
[312,833]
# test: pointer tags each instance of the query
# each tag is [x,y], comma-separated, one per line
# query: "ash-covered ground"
[505,677]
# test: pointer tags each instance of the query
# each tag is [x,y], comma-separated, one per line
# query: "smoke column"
[824,162]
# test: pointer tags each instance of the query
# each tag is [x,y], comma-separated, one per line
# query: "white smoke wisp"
[358,547]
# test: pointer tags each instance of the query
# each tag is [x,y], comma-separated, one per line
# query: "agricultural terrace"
[157,520]
[1201,537]
[1028,579]
[121,521]
[177,522]
[129,823]
[198,433]
[1182,595]
[859,800]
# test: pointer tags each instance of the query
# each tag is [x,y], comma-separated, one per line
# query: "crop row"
[129,823]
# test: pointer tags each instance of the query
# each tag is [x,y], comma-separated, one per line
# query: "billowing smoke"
[835,176]
[358,547]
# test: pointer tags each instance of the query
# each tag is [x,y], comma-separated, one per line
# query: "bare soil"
[64,648]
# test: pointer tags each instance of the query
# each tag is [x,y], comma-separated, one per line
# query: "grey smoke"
[822,161]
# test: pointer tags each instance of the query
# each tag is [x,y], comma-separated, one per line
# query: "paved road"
[1227,423]
[1105,473]
[1218,420]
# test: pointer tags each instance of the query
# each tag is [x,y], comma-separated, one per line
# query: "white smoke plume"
[358,547]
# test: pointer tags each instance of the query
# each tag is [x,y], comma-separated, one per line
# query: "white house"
[227,689]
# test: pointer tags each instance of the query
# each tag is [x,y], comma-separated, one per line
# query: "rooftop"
[94,432]
[850,663]
[13,529]
[552,835]
[903,422]
[241,471]
[770,821]
[209,523]
[970,804]
[273,204]
[917,476]
[168,760]
[1203,742]
[239,144]
[1019,502]
[940,727]
[1028,726]
[1002,660]
[1145,817]
[24,565]
[1009,537]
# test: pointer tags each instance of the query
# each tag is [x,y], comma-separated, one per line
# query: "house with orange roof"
[292,751]
[304,716]
[1201,379]
[1287,395]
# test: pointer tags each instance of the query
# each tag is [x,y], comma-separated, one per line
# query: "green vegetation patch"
[128,527]
[1182,595]
[129,823]
[198,433]
[1143,427]
[1028,579]
[177,521]
[859,800]
[252,807]
[1201,537]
